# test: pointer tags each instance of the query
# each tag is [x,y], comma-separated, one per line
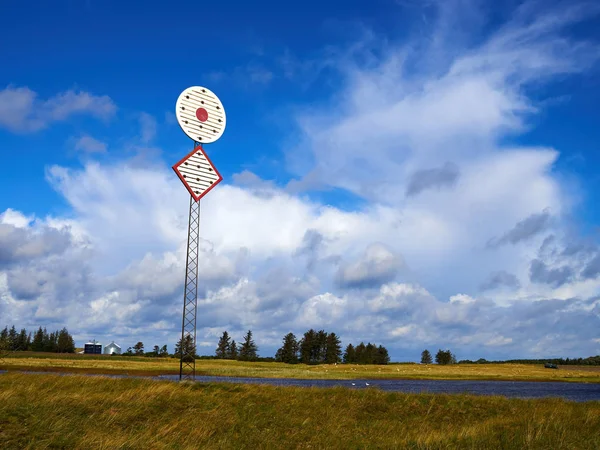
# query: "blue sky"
[389,156]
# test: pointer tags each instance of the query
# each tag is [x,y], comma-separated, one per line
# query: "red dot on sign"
[201,114]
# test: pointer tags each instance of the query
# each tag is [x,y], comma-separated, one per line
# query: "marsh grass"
[51,411]
[156,366]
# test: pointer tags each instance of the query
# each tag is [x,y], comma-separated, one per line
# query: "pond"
[519,389]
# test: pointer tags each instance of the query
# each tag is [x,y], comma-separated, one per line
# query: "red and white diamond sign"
[197,173]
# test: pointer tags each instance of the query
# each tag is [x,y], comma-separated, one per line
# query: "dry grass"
[51,411]
[155,366]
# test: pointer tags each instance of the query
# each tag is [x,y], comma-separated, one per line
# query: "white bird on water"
[353,384]
[367,384]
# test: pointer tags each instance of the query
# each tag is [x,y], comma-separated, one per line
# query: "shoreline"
[150,373]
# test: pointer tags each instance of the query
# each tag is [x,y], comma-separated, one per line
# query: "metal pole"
[187,362]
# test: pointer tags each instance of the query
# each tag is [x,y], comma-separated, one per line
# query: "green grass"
[51,411]
[156,366]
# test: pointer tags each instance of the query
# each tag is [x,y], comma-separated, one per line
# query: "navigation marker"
[201,116]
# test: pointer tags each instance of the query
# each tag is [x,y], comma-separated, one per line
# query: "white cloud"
[22,111]
[89,144]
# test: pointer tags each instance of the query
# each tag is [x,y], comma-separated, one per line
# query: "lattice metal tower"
[187,365]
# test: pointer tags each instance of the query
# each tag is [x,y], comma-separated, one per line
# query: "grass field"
[156,366]
[51,411]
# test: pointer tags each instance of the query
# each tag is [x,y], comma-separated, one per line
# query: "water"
[579,392]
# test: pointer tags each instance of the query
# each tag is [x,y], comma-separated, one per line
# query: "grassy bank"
[156,366]
[50,411]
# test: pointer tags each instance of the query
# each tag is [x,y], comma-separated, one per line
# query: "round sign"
[200,114]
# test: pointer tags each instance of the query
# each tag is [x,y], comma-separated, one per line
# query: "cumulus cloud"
[22,243]
[376,266]
[22,111]
[539,272]
[500,279]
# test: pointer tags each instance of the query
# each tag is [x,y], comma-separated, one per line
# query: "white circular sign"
[200,114]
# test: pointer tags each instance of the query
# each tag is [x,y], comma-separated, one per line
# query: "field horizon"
[120,365]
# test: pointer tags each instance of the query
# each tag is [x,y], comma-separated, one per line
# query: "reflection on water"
[521,389]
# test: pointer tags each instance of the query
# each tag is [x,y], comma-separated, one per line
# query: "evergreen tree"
[443,357]
[13,339]
[248,349]
[360,353]
[370,354]
[319,350]
[65,342]
[233,351]
[223,348]
[38,341]
[350,354]
[189,349]
[22,340]
[139,348]
[163,351]
[288,353]
[382,356]
[307,344]
[51,342]
[426,357]
[4,335]
[333,351]
[156,351]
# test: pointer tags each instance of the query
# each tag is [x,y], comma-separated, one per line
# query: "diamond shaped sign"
[197,173]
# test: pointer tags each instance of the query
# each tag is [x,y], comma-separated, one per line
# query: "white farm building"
[112,348]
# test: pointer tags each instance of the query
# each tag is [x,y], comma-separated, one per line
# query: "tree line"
[442,357]
[314,347]
[227,348]
[366,354]
[589,361]
[59,341]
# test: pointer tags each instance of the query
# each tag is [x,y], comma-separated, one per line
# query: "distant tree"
[155,351]
[50,341]
[64,342]
[139,348]
[128,352]
[333,352]
[189,350]
[319,349]
[443,357]
[37,344]
[360,353]
[382,356]
[426,357]
[13,339]
[223,348]
[233,351]
[306,346]
[370,354]
[163,351]
[288,353]
[23,341]
[350,354]
[4,335]
[248,349]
